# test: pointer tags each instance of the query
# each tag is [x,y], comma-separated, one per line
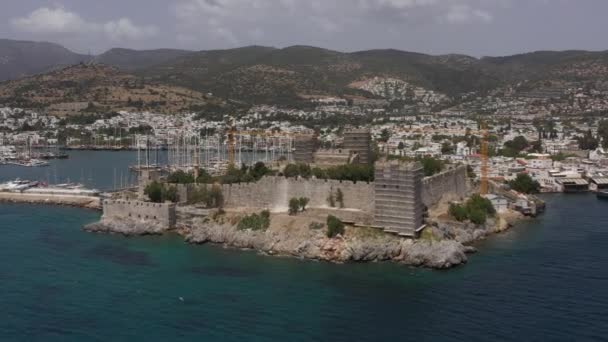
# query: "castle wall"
[274,193]
[158,213]
[453,182]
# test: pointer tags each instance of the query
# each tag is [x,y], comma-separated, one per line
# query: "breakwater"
[89,202]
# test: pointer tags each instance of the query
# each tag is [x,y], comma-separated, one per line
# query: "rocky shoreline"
[444,243]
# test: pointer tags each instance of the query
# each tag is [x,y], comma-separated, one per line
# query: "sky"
[473,27]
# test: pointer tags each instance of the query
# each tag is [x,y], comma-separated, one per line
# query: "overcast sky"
[474,27]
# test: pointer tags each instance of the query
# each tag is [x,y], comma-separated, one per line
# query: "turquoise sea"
[545,280]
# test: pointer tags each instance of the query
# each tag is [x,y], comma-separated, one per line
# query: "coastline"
[443,244]
[85,202]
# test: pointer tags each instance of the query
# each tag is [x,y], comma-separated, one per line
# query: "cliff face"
[442,245]
[315,245]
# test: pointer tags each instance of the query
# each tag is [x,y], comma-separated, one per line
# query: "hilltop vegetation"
[86,88]
[292,75]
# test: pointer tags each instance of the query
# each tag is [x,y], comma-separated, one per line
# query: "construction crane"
[483,188]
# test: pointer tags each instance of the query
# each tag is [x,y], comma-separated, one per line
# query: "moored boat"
[602,194]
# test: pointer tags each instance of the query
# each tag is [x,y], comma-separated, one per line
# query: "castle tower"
[398,197]
[304,149]
[359,141]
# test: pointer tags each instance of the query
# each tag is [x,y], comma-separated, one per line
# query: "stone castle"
[395,202]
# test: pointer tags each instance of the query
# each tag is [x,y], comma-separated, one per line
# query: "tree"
[602,132]
[180,177]
[169,193]
[294,206]
[335,227]
[447,148]
[476,209]
[525,184]
[431,165]
[303,201]
[154,191]
[385,134]
[587,141]
[513,147]
[458,212]
[401,146]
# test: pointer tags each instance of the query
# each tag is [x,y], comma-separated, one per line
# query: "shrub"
[525,184]
[255,222]
[477,216]
[294,206]
[154,191]
[303,203]
[458,212]
[481,203]
[180,177]
[169,193]
[335,227]
[476,209]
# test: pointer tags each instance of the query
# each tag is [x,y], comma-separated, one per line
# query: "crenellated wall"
[275,192]
[158,213]
[453,182]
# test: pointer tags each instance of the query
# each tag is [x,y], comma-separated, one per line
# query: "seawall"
[68,200]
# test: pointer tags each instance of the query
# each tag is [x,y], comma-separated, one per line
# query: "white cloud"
[55,21]
[123,29]
[458,14]
[50,20]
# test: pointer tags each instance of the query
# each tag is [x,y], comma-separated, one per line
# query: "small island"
[388,210]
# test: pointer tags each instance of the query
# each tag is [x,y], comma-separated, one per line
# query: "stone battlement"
[160,213]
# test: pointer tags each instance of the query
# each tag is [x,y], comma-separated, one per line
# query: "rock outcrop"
[442,245]
[315,245]
[126,227]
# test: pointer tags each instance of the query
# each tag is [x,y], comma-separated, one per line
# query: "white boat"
[17,185]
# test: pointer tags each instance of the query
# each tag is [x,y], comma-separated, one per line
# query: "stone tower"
[398,197]
[304,148]
[359,141]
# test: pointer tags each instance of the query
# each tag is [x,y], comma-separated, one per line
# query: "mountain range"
[258,74]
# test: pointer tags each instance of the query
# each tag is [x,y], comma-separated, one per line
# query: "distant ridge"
[260,74]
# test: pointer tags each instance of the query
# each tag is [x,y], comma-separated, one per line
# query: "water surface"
[545,280]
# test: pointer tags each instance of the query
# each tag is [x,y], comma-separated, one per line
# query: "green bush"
[180,177]
[303,201]
[476,202]
[477,209]
[154,191]
[525,184]
[335,227]
[159,193]
[294,206]
[347,172]
[211,198]
[255,222]
[169,194]
[477,216]
[458,212]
